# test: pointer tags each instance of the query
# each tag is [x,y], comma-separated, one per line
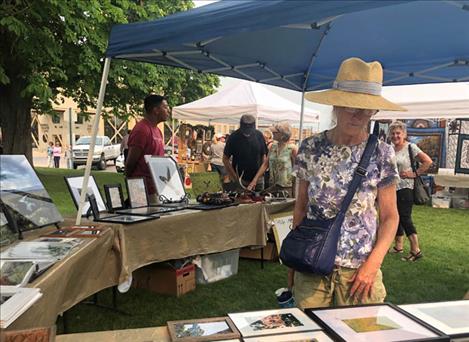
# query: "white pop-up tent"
[244,97]
[428,101]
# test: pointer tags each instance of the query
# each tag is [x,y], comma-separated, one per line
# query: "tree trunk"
[15,120]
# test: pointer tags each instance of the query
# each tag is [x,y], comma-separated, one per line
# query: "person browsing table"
[325,166]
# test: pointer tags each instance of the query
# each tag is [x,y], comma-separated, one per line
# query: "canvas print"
[211,329]
[272,322]
[75,185]
[313,336]
[431,142]
[452,318]
[375,322]
[23,193]
[166,178]
[137,192]
[462,154]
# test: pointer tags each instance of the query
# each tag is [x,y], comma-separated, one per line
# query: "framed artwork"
[167,180]
[375,322]
[316,336]
[8,227]
[23,194]
[272,322]
[137,192]
[451,318]
[114,196]
[281,226]
[462,154]
[209,329]
[75,184]
[208,135]
[16,272]
[432,142]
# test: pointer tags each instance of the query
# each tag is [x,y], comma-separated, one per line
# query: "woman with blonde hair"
[405,188]
[280,160]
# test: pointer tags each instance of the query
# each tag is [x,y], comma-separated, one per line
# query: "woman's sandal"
[395,250]
[413,256]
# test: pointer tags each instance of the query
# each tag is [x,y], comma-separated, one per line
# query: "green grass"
[443,273]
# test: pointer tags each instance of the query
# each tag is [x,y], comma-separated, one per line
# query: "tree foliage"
[52,47]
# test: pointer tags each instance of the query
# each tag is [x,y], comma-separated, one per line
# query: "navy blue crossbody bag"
[312,246]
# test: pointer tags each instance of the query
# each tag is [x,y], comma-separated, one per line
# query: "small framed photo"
[374,322]
[272,322]
[75,185]
[208,135]
[114,197]
[137,192]
[209,329]
[451,318]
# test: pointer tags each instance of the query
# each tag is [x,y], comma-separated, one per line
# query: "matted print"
[376,322]
[166,177]
[313,336]
[208,329]
[452,318]
[462,154]
[22,192]
[137,192]
[74,186]
[281,226]
[271,322]
[114,196]
[431,141]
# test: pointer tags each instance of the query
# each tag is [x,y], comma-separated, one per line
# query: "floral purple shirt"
[329,169]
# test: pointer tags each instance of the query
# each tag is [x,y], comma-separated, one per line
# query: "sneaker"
[413,256]
[395,250]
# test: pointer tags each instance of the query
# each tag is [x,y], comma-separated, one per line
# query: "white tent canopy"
[244,97]
[428,101]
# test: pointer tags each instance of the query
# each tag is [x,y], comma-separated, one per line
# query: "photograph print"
[75,185]
[209,329]
[452,318]
[22,192]
[375,322]
[167,180]
[271,322]
[137,192]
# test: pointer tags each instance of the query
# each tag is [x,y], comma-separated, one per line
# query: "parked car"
[120,165]
[103,151]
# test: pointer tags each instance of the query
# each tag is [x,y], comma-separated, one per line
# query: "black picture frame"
[136,200]
[76,194]
[462,154]
[311,312]
[114,197]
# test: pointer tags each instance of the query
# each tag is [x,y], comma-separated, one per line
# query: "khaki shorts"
[315,291]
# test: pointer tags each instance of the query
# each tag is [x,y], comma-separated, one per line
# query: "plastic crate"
[216,266]
[441,202]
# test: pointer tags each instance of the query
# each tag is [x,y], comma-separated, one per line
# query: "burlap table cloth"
[92,268]
[191,233]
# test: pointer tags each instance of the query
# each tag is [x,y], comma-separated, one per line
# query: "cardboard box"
[164,279]
[270,252]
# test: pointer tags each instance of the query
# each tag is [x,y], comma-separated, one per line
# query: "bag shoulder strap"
[360,173]
[411,157]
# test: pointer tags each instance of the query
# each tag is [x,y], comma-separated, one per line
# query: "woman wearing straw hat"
[324,167]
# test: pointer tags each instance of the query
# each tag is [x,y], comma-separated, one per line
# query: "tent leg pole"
[300,133]
[89,161]
[172,137]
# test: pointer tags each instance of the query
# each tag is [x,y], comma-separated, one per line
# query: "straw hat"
[357,85]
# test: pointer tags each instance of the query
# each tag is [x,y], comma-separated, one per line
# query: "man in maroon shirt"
[146,138]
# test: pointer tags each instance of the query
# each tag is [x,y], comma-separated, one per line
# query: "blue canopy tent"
[300,44]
